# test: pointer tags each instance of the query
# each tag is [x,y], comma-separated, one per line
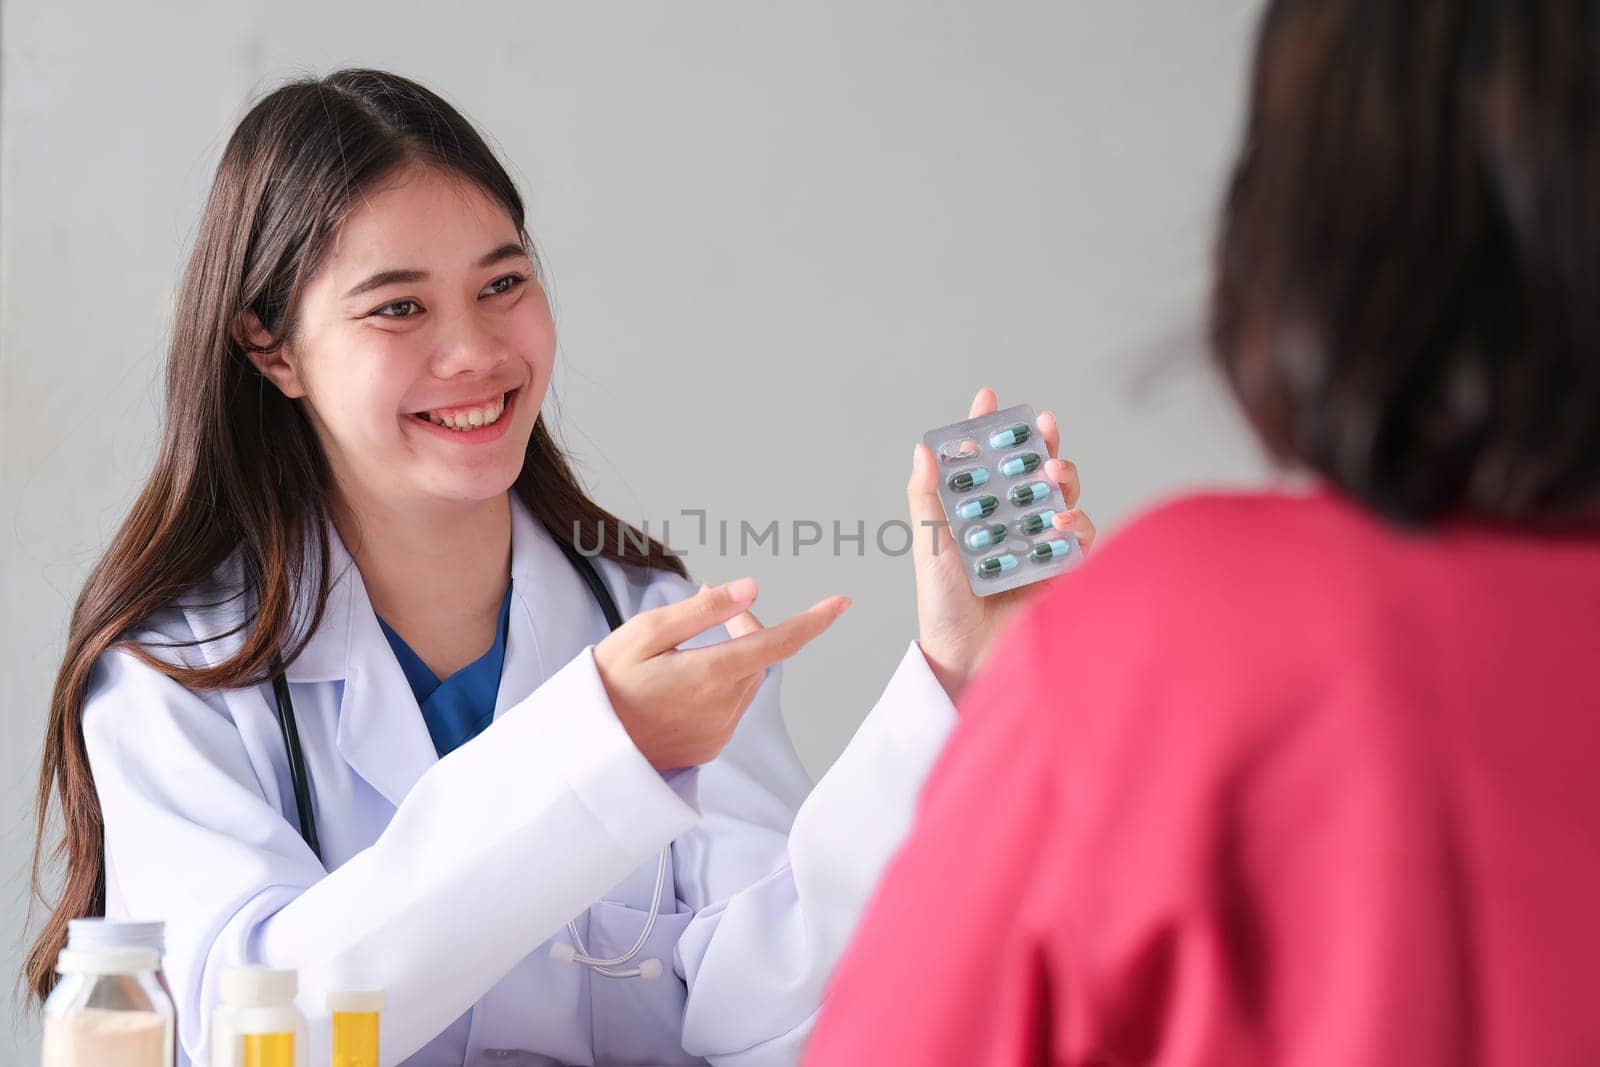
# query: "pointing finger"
[756,652]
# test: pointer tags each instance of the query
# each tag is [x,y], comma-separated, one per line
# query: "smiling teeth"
[462,419]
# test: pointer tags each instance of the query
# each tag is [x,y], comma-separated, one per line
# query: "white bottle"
[112,1006]
[257,1023]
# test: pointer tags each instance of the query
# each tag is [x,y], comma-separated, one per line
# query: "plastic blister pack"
[999,502]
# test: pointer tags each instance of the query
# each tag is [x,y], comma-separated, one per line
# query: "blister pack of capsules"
[999,502]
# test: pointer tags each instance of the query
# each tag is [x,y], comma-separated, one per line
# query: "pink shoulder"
[1214,561]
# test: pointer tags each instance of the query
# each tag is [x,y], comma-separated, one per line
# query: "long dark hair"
[239,467]
[1407,294]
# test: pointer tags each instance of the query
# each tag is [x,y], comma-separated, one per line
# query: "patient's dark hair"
[1407,293]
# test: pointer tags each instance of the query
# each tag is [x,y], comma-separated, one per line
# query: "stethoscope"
[612,967]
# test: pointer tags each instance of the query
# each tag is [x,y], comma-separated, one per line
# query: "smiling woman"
[330,196]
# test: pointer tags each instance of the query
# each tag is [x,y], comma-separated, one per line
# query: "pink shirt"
[1266,781]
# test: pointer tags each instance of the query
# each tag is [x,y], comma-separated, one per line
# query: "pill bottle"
[112,1006]
[354,1016]
[257,1024]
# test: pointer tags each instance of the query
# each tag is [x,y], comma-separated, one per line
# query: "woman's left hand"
[957,629]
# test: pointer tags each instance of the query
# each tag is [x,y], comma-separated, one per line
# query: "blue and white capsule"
[1009,437]
[1037,522]
[984,536]
[1032,493]
[977,508]
[995,566]
[1017,466]
[1047,551]
[962,481]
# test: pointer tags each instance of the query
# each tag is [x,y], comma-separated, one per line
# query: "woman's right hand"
[680,707]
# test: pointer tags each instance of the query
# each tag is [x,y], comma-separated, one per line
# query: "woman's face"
[422,388]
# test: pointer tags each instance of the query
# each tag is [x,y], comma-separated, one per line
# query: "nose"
[471,346]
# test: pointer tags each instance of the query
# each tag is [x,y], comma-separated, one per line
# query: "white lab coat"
[447,881]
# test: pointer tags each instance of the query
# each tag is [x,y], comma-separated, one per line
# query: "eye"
[514,279]
[396,304]
[496,288]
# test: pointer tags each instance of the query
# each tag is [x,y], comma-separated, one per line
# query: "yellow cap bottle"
[355,1026]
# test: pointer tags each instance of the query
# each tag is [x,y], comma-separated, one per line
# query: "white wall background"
[771,228]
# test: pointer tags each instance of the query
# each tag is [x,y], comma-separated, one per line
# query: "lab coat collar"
[381,732]
[327,655]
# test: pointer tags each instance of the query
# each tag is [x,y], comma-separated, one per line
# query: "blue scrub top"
[458,708]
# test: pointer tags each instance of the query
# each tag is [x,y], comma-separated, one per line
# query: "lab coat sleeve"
[778,878]
[493,848]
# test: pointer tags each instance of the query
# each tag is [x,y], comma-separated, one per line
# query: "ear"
[276,365]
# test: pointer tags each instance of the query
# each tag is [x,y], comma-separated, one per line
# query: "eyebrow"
[392,277]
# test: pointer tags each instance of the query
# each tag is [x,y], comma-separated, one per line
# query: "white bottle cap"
[257,987]
[95,934]
[355,1001]
[106,961]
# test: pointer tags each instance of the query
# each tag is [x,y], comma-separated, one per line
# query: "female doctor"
[277,726]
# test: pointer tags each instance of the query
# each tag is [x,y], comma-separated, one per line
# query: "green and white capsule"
[1045,551]
[1017,466]
[962,481]
[1010,437]
[1036,523]
[1032,493]
[984,536]
[994,566]
[977,508]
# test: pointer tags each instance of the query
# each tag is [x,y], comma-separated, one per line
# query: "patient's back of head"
[1409,258]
